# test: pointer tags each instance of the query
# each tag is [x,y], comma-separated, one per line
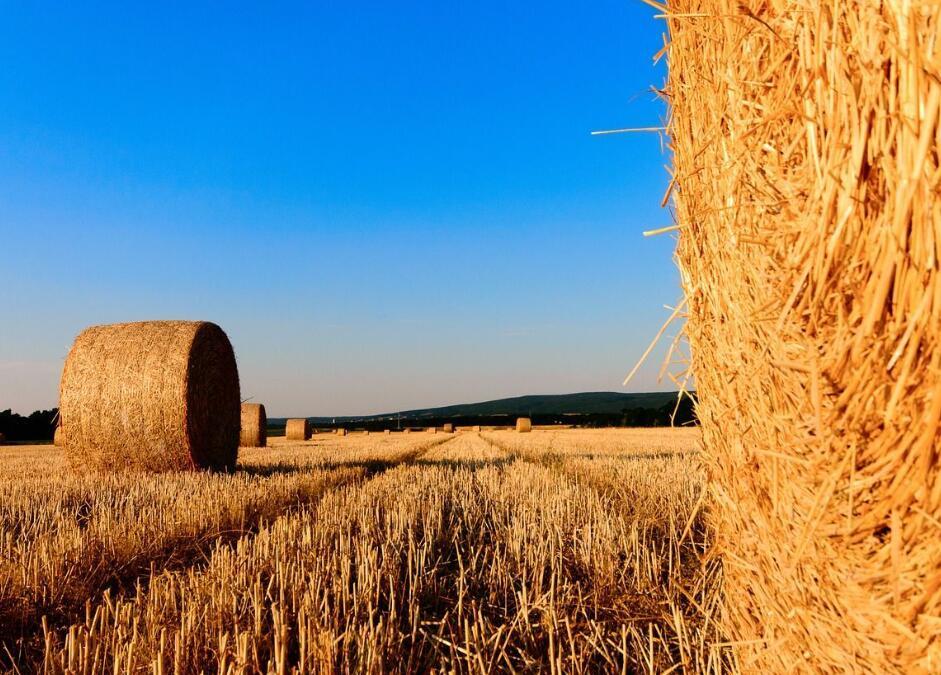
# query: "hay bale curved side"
[297,430]
[807,156]
[524,425]
[153,395]
[254,432]
[448,428]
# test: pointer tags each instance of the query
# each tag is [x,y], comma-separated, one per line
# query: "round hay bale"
[297,430]
[406,431]
[476,427]
[524,425]
[387,431]
[154,395]
[448,428]
[341,432]
[432,430]
[254,426]
[58,439]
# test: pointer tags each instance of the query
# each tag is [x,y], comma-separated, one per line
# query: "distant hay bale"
[341,432]
[57,438]
[155,395]
[524,425]
[387,431]
[476,427]
[448,428]
[366,433]
[432,430]
[297,430]
[406,431]
[807,153]
[254,432]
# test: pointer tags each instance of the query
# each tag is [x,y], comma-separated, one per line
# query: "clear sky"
[385,205]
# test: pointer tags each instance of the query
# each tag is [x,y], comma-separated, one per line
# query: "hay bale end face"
[297,430]
[524,425]
[155,395]
[341,432]
[254,432]
[387,431]
[448,428]
[476,427]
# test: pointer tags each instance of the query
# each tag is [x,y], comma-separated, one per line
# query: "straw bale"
[297,429]
[341,432]
[805,138]
[155,395]
[476,427]
[58,439]
[254,432]
[524,425]
[448,428]
[387,431]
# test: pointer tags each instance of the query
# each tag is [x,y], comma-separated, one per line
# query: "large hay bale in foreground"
[297,430]
[254,432]
[156,395]
[524,425]
[806,186]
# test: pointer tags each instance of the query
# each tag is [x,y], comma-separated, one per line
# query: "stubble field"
[554,551]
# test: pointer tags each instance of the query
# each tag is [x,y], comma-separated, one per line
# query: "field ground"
[555,551]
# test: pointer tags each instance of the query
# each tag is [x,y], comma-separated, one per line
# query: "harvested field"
[573,551]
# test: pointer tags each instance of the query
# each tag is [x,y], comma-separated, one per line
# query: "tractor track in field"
[21,625]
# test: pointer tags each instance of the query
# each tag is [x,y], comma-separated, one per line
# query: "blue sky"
[386,206]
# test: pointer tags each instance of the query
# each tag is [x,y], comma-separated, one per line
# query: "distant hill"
[600,406]
[586,403]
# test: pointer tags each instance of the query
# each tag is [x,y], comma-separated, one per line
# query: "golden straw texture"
[297,430]
[448,428]
[524,425]
[254,426]
[155,395]
[806,174]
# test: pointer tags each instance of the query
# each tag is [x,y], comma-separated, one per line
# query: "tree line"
[37,426]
